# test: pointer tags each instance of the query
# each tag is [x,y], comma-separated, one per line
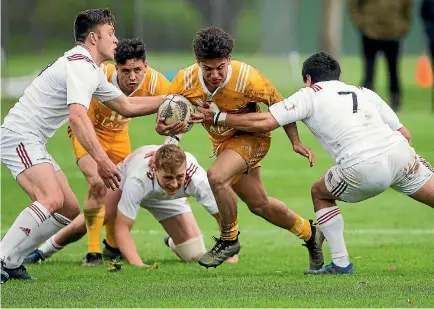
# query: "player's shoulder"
[330,86]
[187,78]
[79,55]
[245,76]
[193,167]
[142,150]
[243,72]
[191,158]
[154,82]
[108,69]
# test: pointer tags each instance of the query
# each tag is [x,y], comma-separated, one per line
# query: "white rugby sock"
[172,246]
[26,224]
[46,229]
[50,247]
[331,223]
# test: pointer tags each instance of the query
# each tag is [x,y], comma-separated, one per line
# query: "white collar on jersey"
[202,81]
[114,81]
[86,50]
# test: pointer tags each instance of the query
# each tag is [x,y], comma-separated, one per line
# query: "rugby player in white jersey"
[61,92]
[370,146]
[162,191]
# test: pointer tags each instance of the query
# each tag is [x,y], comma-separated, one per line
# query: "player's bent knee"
[192,249]
[258,206]
[97,188]
[79,224]
[215,179]
[71,207]
[315,190]
[53,202]
[71,212]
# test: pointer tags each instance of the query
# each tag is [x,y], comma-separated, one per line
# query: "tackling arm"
[135,106]
[85,132]
[403,130]
[388,116]
[123,226]
[250,122]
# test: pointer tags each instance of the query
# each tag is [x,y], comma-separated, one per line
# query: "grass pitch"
[389,237]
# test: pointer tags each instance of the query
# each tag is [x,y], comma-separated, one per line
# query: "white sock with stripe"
[50,247]
[26,224]
[37,235]
[331,223]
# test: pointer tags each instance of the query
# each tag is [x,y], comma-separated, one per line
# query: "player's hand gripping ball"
[175,108]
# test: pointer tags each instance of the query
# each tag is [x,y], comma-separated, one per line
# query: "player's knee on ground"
[97,188]
[192,249]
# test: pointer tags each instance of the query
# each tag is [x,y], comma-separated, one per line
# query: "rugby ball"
[175,108]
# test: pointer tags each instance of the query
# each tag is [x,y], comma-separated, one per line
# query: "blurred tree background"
[259,26]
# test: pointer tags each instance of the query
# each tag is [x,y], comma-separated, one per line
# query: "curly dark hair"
[86,21]
[130,49]
[212,43]
[321,67]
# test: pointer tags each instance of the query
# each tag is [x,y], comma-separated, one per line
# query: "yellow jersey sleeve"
[184,82]
[162,85]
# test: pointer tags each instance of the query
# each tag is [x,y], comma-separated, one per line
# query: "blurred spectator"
[382,24]
[427,14]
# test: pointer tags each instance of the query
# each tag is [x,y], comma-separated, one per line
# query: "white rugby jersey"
[72,78]
[350,122]
[139,185]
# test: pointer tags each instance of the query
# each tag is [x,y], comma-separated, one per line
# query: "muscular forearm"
[131,107]
[127,245]
[251,122]
[85,133]
[406,134]
[292,132]
[142,106]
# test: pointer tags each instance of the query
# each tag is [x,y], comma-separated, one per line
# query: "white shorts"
[19,152]
[167,209]
[399,168]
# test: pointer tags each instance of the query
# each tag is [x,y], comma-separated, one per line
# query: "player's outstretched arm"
[404,131]
[250,122]
[131,107]
[388,116]
[123,226]
[292,133]
[85,133]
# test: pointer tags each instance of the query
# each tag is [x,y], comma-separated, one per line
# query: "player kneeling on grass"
[162,191]
[360,132]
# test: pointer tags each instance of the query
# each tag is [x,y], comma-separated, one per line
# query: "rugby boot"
[220,252]
[314,246]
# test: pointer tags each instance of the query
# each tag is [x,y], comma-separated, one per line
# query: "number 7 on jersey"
[354,96]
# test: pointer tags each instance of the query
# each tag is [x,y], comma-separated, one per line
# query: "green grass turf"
[389,237]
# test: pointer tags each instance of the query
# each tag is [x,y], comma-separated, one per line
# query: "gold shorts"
[251,147]
[116,144]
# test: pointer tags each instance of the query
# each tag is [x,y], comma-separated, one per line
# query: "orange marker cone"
[424,75]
